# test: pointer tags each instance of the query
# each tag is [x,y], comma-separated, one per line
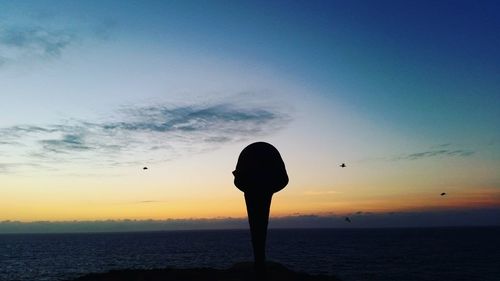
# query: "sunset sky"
[406,93]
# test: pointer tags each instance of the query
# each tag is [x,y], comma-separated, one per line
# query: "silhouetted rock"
[238,272]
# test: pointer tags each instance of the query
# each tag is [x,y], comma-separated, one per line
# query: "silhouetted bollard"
[259,173]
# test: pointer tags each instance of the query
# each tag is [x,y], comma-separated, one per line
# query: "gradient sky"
[406,93]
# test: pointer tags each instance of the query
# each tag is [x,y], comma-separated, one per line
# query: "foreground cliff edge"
[239,271]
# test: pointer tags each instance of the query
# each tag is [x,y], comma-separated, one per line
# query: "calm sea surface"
[446,254]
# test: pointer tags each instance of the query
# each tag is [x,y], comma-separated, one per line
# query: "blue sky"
[406,92]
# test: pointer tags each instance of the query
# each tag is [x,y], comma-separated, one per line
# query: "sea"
[399,254]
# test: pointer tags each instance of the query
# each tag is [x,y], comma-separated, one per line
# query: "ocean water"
[447,254]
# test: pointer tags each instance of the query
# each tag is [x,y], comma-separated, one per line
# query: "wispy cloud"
[325,192]
[15,166]
[45,38]
[440,146]
[149,201]
[141,134]
[435,153]
[18,42]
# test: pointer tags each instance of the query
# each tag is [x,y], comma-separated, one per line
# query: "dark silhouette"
[342,165]
[145,168]
[443,194]
[259,173]
[347,219]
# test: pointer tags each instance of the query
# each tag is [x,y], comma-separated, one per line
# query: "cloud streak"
[436,153]
[18,42]
[319,193]
[140,134]
[47,39]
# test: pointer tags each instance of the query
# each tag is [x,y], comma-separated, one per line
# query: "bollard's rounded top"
[260,169]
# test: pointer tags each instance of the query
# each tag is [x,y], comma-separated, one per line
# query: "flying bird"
[342,165]
[347,219]
[145,168]
[443,194]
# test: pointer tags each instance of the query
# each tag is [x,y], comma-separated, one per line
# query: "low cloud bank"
[476,217]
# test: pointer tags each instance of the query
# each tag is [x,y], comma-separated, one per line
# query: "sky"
[407,94]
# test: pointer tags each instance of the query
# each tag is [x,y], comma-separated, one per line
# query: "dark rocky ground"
[240,271]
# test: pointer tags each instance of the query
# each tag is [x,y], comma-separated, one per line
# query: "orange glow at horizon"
[232,204]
